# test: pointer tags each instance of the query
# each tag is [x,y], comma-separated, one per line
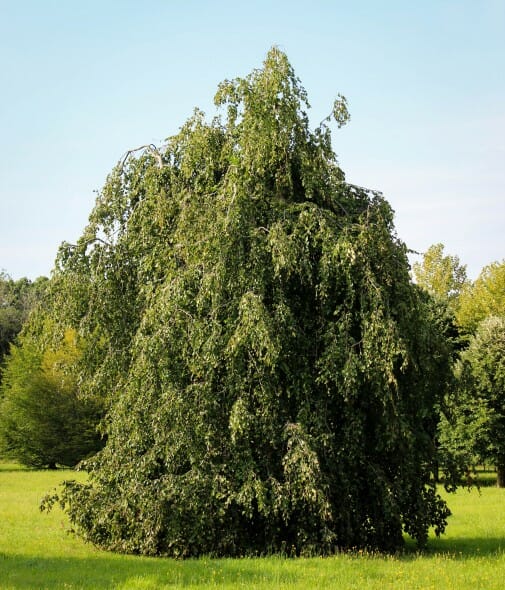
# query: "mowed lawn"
[37,552]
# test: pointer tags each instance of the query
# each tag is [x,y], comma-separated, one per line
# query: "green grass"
[37,552]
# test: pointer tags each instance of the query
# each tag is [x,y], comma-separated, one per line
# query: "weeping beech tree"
[273,376]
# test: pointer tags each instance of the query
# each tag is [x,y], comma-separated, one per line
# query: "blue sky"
[83,82]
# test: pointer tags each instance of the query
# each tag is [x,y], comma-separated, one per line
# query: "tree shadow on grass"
[10,467]
[6,467]
[461,547]
[469,547]
[109,571]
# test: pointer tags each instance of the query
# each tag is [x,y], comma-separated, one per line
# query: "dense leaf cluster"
[273,376]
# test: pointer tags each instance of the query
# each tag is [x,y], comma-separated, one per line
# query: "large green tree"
[273,375]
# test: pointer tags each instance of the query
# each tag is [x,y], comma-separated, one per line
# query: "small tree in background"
[478,429]
[483,298]
[442,276]
[43,421]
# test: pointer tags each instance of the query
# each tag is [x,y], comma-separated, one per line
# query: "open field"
[37,552]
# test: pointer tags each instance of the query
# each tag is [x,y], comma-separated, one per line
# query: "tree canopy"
[272,375]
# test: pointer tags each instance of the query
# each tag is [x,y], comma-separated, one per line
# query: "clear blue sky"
[83,82]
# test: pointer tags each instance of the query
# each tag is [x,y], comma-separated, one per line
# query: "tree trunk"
[500,479]
[436,472]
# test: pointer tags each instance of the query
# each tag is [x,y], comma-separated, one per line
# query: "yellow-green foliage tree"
[43,420]
[443,276]
[483,298]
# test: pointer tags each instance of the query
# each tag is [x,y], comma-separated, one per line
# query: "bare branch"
[150,147]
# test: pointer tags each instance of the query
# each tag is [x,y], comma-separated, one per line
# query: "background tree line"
[17,299]
[472,428]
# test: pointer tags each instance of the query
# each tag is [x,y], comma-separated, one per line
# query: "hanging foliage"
[273,376]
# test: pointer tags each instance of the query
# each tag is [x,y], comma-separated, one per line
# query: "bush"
[43,421]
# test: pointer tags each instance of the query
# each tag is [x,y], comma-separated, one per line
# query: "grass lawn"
[37,552]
